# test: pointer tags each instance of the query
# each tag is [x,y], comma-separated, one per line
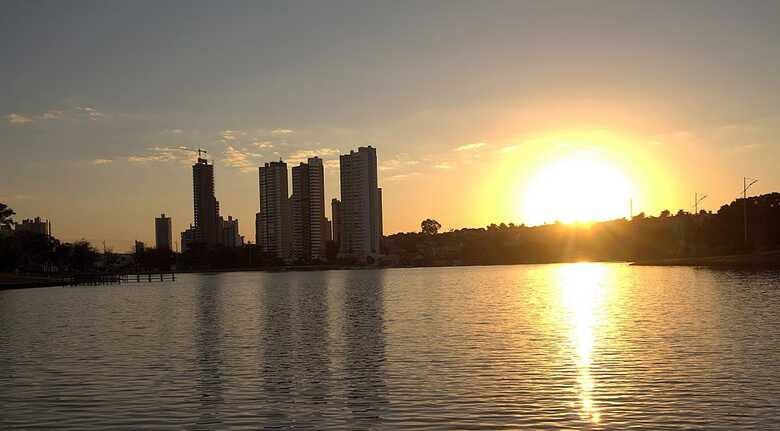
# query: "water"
[599,346]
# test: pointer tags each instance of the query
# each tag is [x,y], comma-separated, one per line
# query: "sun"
[582,186]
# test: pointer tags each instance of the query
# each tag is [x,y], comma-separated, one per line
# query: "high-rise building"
[187,239]
[230,236]
[205,204]
[35,225]
[361,207]
[162,233]
[328,232]
[307,211]
[273,220]
[335,215]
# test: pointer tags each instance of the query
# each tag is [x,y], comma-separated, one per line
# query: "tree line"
[664,236]
[643,237]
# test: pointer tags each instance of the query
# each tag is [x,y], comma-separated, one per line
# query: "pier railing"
[102,278]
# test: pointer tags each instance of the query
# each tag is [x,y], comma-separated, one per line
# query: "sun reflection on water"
[581,287]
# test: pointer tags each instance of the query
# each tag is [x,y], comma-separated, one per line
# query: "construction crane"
[199,150]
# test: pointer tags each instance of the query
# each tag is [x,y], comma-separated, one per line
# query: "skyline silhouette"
[673,100]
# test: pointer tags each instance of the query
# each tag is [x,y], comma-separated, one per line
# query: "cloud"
[52,115]
[242,160]
[282,131]
[90,112]
[442,165]
[301,155]
[399,177]
[747,147]
[263,144]
[173,131]
[15,118]
[397,163]
[160,154]
[469,147]
[232,135]
[509,148]
[101,161]
[332,164]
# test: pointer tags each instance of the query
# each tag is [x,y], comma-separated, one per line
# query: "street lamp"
[696,201]
[746,183]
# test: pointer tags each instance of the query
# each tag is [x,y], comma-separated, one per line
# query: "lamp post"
[696,201]
[746,183]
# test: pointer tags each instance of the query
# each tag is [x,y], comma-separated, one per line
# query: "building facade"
[36,225]
[163,238]
[335,216]
[307,211]
[206,206]
[230,236]
[273,220]
[361,207]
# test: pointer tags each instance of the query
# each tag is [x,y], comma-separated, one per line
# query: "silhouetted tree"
[83,256]
[6,214]
[430,227]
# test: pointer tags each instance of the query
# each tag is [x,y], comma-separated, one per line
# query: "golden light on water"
[581,289]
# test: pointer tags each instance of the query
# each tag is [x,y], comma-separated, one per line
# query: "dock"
[98,279]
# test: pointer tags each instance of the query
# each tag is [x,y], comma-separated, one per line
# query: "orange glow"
[579,187]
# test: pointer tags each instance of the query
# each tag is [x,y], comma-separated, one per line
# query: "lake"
[583,346]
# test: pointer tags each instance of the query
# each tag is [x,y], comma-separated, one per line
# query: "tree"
[5,216]
[430,227]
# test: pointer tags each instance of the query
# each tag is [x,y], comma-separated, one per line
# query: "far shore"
[764,260]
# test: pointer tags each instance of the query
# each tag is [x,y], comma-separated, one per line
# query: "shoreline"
[765,260]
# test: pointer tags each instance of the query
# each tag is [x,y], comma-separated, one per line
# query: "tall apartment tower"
[335,215]
[163,239]
[361,204]
[273,220]
[307,210]
[205,204]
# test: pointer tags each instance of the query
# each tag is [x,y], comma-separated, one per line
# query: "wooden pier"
[101,278]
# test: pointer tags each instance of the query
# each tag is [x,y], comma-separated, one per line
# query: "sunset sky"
[481,112]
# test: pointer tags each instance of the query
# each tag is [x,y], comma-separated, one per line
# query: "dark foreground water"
[602,346]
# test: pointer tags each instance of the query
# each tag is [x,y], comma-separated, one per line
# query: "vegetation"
[662,237]
[430,227]
[6,214]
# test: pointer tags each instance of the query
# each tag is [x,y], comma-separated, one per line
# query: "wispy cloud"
[263,144]
[399,177]
[242,160]
[442,165]
[101,161]
[301,155]
[747,147]
[232,135]
[15,118]
[509,148]
[173,131]
[90,112]
[57,114]
[52,115]
[159,154]
[399,162]
[282,131]
[469,147]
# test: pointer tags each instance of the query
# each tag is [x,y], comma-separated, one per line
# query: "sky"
[481,112]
